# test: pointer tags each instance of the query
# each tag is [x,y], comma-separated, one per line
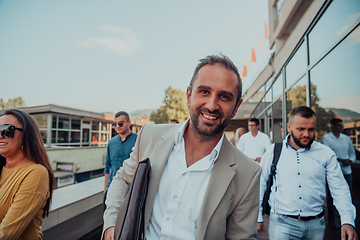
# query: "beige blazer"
[231,203]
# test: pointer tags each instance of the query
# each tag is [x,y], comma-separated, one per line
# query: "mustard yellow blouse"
[23,193]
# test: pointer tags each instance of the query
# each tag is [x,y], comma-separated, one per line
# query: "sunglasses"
[8,131]
[120,124]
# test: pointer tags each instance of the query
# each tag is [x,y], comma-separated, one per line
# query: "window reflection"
[95,125]
[41,120]
[63,123]
[54,120]
[75,124]
[296,96]
[329,29]
[297,66]
[95,138]
[277,129]
[75,137]
[63,137]
[44,135]
[335,85]
[277,87]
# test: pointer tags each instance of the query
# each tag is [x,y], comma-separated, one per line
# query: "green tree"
[175,107]
[12,103]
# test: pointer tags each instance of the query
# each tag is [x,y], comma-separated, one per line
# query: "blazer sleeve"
[119,186]
[242,221]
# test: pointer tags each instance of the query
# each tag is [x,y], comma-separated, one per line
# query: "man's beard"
[297,141]
[207,131]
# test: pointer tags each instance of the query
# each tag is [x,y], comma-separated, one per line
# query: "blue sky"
[106,56]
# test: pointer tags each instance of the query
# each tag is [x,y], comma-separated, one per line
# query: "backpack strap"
[269,183]
[277,152]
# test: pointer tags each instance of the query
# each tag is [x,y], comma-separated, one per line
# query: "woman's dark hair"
[33,148]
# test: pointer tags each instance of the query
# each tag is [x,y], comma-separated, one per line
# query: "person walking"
[254,142]
[299,188]
[201,186]
[118,149]
[345,154]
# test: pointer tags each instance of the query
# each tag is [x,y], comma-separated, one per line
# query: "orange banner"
[266,31]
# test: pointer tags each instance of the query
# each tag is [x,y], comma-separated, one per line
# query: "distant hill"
[140,113]
[345,113]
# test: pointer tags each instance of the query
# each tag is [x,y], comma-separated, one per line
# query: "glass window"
[85,137]
[53,136]
[95,138]
[268,97]
[104,126]
[103,137]
[41,120]
[54,121]
[63,137]
[335,83]
[297,66]
[261,123]
[86,122]
[277,127]
[258,95]
[63,123]
[44,135]
[75,137]
[95,125]
[277,87]
[75,123]
[338,19]
[296,95]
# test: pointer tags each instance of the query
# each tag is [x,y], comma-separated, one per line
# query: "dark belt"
[306,218]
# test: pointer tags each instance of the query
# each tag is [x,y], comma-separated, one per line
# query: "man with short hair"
[345,154]
[299,188]
[201,186]
[119,148]
[254,142]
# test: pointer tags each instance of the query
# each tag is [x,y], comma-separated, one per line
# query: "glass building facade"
[322,72]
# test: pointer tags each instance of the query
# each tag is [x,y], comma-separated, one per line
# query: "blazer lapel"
[161,151]
[220,178]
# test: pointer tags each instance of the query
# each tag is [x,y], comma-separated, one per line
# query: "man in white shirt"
[299,188]
[254,142]
[345,154]
[201,186]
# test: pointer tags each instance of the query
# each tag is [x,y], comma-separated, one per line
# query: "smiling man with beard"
[299,188]
[201,186]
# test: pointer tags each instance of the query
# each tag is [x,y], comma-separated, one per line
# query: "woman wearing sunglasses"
[26,177]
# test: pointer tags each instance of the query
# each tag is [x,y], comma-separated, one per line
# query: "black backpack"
[265,204]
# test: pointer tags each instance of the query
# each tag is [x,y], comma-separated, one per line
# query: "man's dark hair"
[255,120]
[223,61]
[335,121]
[118,114]
[303,111]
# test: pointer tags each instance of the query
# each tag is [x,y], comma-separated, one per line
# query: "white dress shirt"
[253,147]
[343,148]
[180,194]
[300,182]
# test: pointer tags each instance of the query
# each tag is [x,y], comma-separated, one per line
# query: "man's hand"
[348,231]
[257,159]
[346,162]
[260,227]
[109,233]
